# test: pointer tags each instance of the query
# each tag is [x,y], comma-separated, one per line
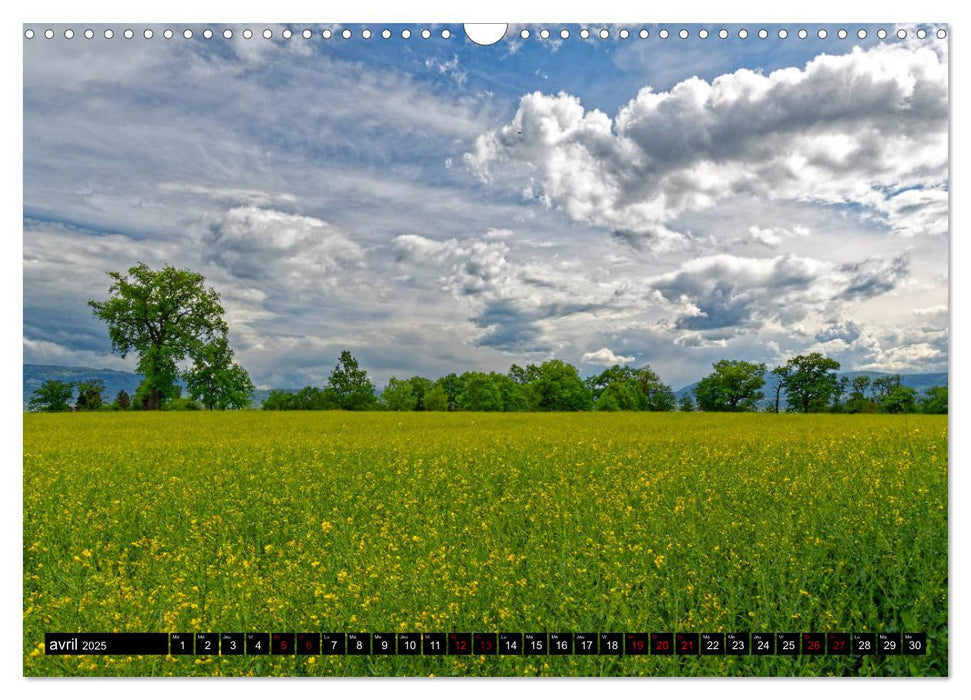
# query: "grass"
[419,522]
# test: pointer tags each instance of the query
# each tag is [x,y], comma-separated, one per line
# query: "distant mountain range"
[116,380]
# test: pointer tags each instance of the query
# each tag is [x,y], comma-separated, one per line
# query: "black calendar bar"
[122,643]
[806,644]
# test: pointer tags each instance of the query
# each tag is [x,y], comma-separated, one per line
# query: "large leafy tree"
[735,385]
[52,397]
[349,387]
[216,381]
[651,393]
[901,399]
[893,397]
[559,388]
[166,316]
[810,382]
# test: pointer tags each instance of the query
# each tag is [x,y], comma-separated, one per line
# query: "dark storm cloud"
[870,278]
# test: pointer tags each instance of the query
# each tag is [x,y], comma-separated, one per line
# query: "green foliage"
[882,387]
[622,395]
[515,396]
[89,395]
[686,404]
[181,403]
[278,400]
[453,385]
[310,398]
[164,393]
[810,382]
[891,396]
[52,397]
[399,395]
[735,385]
[659,395]
[901,399]
[934,400]
[122,401]
[436,399]
[419,386]
[167,316]
[349,387]
[559,388]
[524,375]
[858,401]
[655,395]
[859,384]
[216,381]
[479,393]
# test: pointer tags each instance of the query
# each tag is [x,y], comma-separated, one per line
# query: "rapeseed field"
[414,522]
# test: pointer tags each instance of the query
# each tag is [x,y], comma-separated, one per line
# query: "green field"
[328,521]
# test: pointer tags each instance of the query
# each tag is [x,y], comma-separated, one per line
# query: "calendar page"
[485,350]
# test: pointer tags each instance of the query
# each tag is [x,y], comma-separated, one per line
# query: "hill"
[114,380]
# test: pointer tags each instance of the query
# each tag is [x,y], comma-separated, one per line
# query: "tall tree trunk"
[154,402]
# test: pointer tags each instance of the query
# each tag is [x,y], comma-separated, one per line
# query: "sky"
[437,206]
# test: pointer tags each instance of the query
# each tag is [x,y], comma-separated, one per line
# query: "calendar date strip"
[488,643]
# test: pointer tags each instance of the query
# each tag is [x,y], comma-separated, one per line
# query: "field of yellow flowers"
[383,522]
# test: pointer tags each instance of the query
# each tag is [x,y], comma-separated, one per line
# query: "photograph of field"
[479,522]
[594,329]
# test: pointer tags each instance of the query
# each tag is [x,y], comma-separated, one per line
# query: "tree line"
[174,323]
[809,384]
[550,386]
[54,396]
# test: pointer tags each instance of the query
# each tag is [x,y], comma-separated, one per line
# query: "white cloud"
[605,357]
[517,303]
[854,128]
[774,237]
[448,68]
[325,219]
[940,309]
[44,352]
[303,251]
